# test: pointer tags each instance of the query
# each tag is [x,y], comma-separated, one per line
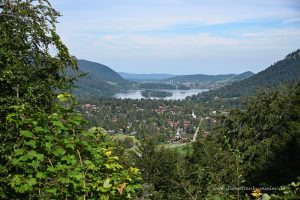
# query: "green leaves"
[55,156]
[41,175]
[32,143]
[106,183]
[58,124]
[26,133]
[29,72]
[39,129]
[59,152]
[22,184]
[63,97]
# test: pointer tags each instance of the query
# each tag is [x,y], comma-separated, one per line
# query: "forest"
[55,146]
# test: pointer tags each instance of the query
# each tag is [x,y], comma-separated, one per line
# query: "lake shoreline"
[176,94]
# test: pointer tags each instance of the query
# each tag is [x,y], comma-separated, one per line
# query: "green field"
[180,148]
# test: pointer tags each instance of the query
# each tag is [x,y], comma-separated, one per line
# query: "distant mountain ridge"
[104,81]
[209,78]
[200,77]
[144,77]
[242,76]
[284,71]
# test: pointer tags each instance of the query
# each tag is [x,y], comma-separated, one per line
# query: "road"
[196,133]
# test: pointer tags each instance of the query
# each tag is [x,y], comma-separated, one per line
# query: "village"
[173,122]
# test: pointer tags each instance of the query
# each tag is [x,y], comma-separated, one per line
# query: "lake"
[176,94]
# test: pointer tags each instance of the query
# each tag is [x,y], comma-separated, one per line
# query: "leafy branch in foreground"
[33,59]
[53,157]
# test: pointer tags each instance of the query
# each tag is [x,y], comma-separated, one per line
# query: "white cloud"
[128,32]
[133,15]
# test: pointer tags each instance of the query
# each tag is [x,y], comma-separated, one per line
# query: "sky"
[180,36]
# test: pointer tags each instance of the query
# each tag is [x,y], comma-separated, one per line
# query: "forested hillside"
[98,81]
[201,78]
[90,85]
[250,154]
[242,76]
[286,70]
[100,71]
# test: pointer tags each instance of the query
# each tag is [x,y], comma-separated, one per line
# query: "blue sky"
[180,36]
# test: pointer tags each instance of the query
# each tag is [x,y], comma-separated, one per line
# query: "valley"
[199,127]
[162,106]
[165,105]
[101,81]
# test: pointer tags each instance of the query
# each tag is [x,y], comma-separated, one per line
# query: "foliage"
[256,146]
[209,170]
[54,157]
[287,192]
[267,133]
[46,151]
[29,71]
[158,167]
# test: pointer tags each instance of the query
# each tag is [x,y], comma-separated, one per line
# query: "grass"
[180,148]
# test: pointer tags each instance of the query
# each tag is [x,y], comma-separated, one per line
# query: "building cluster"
[136,119]
[211,119]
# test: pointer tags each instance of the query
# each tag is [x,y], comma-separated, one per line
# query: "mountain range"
[184,78]
[101,80]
